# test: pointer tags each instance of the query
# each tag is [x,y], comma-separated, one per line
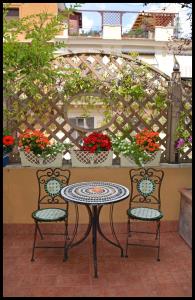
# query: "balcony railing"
[87,32]
[112,25]
[138,33]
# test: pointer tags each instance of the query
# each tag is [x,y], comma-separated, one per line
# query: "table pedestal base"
[95,226]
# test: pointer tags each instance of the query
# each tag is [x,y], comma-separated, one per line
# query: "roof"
[152,19]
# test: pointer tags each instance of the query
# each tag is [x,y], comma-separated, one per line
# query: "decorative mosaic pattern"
[146,186]
[145,213]
[49,214]
[53,186]
[95,192]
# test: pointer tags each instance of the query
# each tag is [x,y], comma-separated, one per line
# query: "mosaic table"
[94,195]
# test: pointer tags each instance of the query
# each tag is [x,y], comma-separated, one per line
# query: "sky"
[92,20]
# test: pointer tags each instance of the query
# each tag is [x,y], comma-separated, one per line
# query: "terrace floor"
[138,275]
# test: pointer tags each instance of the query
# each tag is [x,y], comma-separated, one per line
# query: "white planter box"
[31,160]
[153,162]
[86,159]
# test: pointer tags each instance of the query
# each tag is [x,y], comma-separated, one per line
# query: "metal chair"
[145,203]
[50,182]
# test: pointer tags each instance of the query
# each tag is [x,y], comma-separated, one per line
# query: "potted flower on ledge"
[8,144]
[141,150]
[95,151]
[37,151]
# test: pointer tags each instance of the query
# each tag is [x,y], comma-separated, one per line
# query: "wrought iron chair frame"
[46,198]
[155,175]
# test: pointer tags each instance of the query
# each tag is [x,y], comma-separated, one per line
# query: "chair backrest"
[51,181]
[145,187]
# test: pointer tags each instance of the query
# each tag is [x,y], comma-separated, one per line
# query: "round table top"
[95,192]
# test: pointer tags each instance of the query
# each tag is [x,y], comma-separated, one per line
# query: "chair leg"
[158,234]
[66,229]
[65,241]
[39,230]
[129,227]
[66,223]
[35,236]
[128,234]
[157,227]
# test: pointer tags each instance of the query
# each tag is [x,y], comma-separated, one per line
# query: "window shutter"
[90,122]
[72,121]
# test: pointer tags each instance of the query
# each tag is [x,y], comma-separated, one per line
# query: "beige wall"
[26,9]
[20,192]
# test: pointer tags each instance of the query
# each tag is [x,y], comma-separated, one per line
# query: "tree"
[27,65]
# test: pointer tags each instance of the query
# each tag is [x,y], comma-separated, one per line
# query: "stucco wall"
[20,192]
[27,9]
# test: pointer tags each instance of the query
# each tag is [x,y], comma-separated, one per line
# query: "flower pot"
[31,160]
[86,159]
[5,160]
[154,161]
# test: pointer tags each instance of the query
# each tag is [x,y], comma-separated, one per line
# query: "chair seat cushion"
[50,214]
[144,213]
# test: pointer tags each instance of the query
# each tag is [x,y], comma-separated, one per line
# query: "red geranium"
[8,141]
[33,140]
[96,142]
[148,140]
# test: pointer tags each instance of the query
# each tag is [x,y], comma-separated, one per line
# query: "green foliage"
[129,148]
[75,83]
[181,131]
[27,66]
[56,148]
[160,100]
[135,32]
[31,81]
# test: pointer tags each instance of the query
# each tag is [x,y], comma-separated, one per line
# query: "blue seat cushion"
[144,213]
[49,214]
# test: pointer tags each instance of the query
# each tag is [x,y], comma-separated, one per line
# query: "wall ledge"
[69,166]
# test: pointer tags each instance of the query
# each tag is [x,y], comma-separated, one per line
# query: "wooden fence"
[59,127]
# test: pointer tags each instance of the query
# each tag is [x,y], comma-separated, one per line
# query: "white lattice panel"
[87,159]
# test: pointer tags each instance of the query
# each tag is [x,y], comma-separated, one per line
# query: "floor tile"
[138,275]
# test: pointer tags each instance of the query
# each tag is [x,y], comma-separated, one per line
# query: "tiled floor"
[138,275]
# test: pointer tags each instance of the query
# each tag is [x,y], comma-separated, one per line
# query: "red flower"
[148,140]
[8,140]
[96,142]
[33,140]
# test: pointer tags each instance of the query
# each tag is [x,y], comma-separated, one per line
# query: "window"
[12,13]
[87,123]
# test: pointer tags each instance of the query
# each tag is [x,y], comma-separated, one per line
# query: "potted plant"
[141,150]
[8,144]
[95,151]
[37,151]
